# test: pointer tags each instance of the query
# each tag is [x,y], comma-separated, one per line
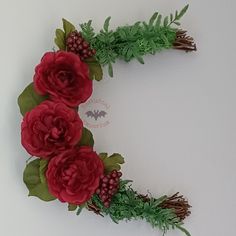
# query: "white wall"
[173,119]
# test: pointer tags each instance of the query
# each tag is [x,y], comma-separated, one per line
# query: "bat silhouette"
[96,114]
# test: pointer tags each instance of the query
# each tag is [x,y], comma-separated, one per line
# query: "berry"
[104,179]
[105,189]
[85,44]
[108,187]
[119,174]
[104,198]
[79,40]
[80,47]
[114,173]
[77,44]
[69,40]
[85,51]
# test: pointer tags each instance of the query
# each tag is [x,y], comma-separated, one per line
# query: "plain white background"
[173,118]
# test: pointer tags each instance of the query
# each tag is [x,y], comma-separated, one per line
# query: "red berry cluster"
[109,185]
[77,44]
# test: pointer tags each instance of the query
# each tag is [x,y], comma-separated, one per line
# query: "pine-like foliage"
[134,41]
[128,205]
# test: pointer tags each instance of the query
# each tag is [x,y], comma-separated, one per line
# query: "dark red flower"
[64,77]
[73,175]
[50,128]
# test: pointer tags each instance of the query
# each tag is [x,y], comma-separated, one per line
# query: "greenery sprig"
[128,205]
[134,41]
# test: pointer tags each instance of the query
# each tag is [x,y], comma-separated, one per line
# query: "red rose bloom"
[49,128]
[73,176]
[64,77]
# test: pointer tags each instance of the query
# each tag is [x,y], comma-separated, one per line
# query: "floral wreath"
[66,167]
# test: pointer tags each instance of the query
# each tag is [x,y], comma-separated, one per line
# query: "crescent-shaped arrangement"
[63,163]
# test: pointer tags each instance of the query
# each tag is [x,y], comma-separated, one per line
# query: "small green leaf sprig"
[134,41]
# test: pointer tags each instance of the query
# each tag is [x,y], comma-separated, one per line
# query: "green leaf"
[72,207]
[43,164]
[158,22]
[87,30]
[153,45]
[95,69]
[103,155]
[145,26]
[157,202]
[183,230]
[165,39]
[165,21]
[87,138]
[81,207]
[122,34]
[29,99]
[33,181]
[125,182]
[41,191]
[171,17]
[112,162]
[176,23]
[182,12]
[60,39]
[135,28]
[176,14]
[152,19]
[139,58]
[31,174]
[106,24]
[110,70]
[68,27]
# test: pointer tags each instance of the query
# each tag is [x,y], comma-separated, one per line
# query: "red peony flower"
[64,77]
[73,176]
[50,128]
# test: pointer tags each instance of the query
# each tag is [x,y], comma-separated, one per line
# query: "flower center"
[56,133]
[69,174]
[65,78]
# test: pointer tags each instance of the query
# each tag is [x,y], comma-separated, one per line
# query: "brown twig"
[175,202]
[184,42]
[179,204]
[92,207]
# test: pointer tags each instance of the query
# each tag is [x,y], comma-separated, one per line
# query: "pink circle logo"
[95,113]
